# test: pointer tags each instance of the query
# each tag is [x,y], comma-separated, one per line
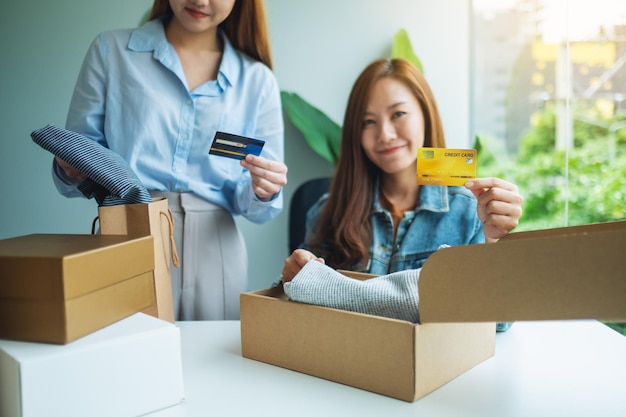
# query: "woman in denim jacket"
[376,218]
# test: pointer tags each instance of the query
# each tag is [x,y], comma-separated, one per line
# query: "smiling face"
[201,15]
[393,127]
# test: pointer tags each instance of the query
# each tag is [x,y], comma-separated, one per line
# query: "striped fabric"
[393,295]
[110,180]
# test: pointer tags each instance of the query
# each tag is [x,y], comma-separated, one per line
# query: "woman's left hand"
[268,177]
[499,206]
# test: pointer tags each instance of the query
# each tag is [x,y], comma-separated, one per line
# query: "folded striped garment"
[393,295]
[110,180]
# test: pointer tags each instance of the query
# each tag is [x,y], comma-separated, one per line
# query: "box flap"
[564,273]
[566,231]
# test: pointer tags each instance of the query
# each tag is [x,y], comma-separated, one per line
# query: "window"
[549,91]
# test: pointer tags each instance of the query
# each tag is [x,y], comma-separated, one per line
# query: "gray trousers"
[213,259]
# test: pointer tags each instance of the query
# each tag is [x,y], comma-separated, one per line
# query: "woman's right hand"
[295,262]
[71,172]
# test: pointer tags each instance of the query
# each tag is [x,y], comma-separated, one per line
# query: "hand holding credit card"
[445,166]
[235,146]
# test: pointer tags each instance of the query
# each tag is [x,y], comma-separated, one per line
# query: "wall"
[318,48]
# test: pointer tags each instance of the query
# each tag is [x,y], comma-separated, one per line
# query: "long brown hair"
[343,233]
[245,27]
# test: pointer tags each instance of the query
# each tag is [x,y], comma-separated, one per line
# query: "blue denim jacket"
[443,216]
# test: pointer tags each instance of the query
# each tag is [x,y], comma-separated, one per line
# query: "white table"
[555,368]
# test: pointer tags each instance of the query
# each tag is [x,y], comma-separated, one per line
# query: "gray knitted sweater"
[393,295]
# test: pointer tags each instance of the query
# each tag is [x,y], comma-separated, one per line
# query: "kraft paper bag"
[142,220]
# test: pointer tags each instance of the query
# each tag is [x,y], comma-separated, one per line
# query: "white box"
[56,288]
[129,368]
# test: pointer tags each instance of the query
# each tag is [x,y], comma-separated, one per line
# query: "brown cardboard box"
[564,273]
[56,288]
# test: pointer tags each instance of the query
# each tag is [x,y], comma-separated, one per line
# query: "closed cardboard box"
[564,273]
[130,368]
[56,288]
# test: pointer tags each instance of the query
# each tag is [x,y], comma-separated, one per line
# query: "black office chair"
[303,198]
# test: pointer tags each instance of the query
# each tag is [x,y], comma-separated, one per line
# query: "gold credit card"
[445,166]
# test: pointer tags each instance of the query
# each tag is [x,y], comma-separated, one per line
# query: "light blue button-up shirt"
[132,97]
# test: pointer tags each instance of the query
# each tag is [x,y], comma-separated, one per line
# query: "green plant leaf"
[402,48]
[321,133]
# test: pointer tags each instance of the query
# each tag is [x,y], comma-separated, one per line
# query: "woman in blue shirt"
[157,95]
[376,218]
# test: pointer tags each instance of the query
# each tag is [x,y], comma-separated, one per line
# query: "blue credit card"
[235,146]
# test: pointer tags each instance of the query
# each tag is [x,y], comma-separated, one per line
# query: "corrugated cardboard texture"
[57,288]
[563,273]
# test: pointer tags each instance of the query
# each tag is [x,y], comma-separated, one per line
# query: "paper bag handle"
[93,225]
[170,219]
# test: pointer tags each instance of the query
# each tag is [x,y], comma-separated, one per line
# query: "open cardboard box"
[563,273]
[55,288]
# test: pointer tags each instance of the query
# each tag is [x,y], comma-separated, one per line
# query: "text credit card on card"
[235,146]
[445,166]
